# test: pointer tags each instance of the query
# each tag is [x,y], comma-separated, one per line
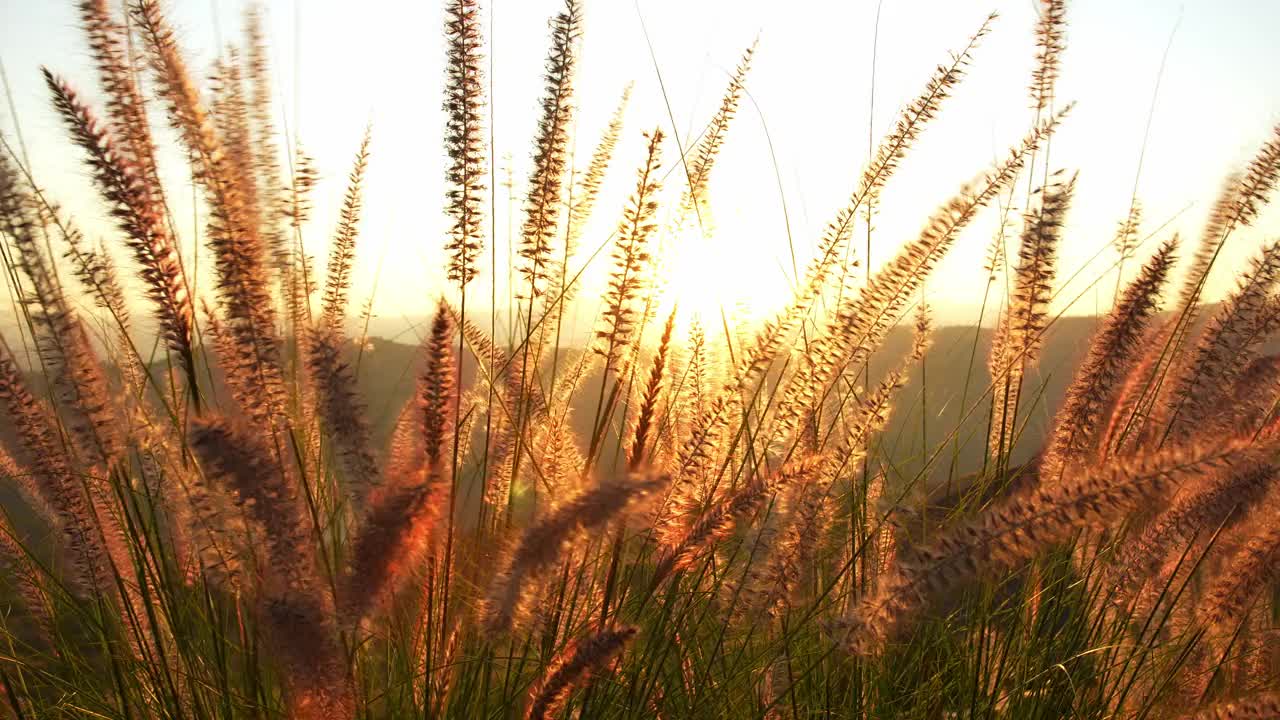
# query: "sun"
[719,281]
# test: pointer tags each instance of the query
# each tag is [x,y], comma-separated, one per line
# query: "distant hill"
[930,407]
[952,382]
[947,398]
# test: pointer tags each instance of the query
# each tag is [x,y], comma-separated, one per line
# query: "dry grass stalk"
[910,125]
[863,321]
[404,449]
[100,280]
[810,500]
[297,280]
[298,194]
[1218,227]
[140,215]
[54,479]
[572,667]
[274,209]
[560,459]
[700,161]
[1050,44]
[546,540]
[889,153]
[229,110]
[343,412]
[66,353]
[125,106]
[1242,197]
[1112,353]
[587,188]
[685,537]
[26,577]
[437,389]
[28,485]
[343,248]
[244,466]
[1028,311]
[464,138]
[649,400]
[394,536]
[786,551]
[1226,347]
[1128,232]
[294,604]
[1219,499]
[630,258]
[1019,338]
[1134,398]
[81,474]
[580,203]
[551,143]
[14,557]
[397,528]
[1251,400]
[768,340]
[1015,530]
[1249,572]
[233,232]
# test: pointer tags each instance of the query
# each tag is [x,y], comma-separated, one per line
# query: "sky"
[827,78]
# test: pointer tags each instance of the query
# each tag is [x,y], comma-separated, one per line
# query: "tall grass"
[660,524]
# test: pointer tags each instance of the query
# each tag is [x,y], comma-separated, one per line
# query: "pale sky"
[340,65]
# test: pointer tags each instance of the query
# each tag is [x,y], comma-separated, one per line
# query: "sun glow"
[716,280]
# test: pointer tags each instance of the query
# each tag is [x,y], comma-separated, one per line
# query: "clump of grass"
[666,522]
